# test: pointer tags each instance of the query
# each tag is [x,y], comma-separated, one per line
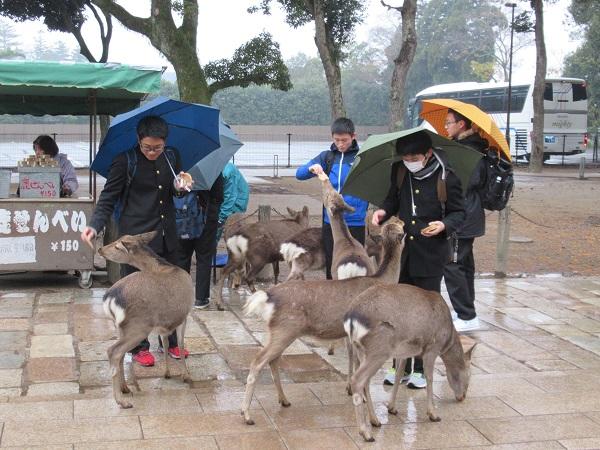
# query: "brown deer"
[303,251]
[256,245]
[313,308]
[402,321]
[157,298]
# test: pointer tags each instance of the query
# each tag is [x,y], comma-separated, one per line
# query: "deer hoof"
[349,390]
[367,437]
[285,403]
[376,423]
[220,307]
[249,422]
[331,351]
[186,378]
[434,418]
[125,405]
[125,389]
[393,411]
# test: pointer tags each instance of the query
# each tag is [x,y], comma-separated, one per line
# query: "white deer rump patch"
[351,270]
[290,251]
[238,245]
[114,311]
[358,330]
[257,305]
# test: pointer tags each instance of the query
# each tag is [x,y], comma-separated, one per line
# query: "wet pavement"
[535,379]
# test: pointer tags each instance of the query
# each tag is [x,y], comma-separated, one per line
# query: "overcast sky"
[224,25]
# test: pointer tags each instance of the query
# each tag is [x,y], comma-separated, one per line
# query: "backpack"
[499,183]
[329,162]
[190,217]
[131,168]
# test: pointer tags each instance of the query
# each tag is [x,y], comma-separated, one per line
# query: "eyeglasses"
[152,149]
[447,124]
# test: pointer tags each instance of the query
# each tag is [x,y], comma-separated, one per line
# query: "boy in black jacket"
[414,198]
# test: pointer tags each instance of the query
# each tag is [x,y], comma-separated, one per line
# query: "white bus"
[565,112]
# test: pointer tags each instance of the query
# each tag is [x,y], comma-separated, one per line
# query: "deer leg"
[229,267]
[368,367]
[283,401]
[165,343]
[128,338]
[276,344]
[351,361]
[391,404]
[275,271]
[428,364]
[124,388]
[370,408]
[185,374]
[331,349]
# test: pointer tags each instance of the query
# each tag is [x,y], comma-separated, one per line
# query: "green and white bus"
[565,112]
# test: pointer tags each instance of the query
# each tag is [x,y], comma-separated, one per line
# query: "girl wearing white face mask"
[428,221]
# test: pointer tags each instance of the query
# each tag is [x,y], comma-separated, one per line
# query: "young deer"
[403,321]
[313,308]
[257,244]
[350,258]
[158,297]
[303,251]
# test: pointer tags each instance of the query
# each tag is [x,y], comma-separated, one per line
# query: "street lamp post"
[503,232]
[510,56]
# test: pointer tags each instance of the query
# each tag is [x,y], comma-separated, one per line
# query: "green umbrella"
[369,178]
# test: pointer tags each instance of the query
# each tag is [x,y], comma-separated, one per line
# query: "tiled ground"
[535,383]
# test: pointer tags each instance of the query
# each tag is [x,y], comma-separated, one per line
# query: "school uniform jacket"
[425,256]
[149,204]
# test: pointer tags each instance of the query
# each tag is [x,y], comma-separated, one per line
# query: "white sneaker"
[453,315]
[467,325]
[416,381]
[390,377]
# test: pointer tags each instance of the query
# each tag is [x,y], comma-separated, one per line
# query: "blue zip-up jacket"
[342,163]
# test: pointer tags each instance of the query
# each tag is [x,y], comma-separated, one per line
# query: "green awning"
[57,88]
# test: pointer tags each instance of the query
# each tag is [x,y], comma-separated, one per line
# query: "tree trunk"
[537,145]
[191,82]
[330,60]
[402,64]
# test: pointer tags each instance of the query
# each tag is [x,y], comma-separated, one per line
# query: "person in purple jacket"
[45,145]
[337,162]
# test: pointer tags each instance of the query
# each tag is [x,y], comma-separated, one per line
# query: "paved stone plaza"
[535,383]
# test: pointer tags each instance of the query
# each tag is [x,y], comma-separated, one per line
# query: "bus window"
[492,100]
[579,92]
[519,95]
[548,92]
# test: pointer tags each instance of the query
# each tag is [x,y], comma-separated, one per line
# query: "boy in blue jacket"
[337,162]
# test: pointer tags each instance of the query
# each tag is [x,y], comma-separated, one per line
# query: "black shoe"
[201,304]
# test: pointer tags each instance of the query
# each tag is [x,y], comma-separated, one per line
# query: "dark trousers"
[357,233]
[430,284]
[459,277]
[205,247]
[145,344]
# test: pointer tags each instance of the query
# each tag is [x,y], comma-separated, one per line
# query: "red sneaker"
[144,358]
[174,352]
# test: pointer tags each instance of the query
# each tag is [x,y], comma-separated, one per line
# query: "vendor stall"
[39,230]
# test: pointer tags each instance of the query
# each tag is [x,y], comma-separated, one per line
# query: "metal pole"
[289,135]
[563,153]
[503,233]
[510,58]
[275,166]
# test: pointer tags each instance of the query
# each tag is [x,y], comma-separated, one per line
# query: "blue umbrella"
[206,171]
[193,130]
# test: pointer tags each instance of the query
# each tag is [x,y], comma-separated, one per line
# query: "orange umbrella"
[435,111]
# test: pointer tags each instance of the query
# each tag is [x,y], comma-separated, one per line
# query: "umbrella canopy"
[370,176]
[435,111]
[193,130]
[206,171]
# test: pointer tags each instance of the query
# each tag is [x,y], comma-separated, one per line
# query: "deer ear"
[291,212]
[305,211]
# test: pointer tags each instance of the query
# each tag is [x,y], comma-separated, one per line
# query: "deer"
[157,298]
[257,244]
[313,308]
[303,251]
[350,258]
[402,321]
[373,239]
[234,223]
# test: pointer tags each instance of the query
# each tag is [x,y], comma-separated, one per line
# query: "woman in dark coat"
[428,220]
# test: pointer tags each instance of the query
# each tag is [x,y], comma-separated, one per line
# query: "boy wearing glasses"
[459,276]
[148,205]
